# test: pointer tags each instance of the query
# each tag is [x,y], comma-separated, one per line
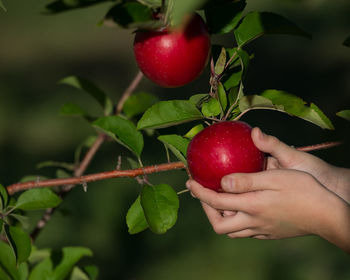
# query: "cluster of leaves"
[18,258]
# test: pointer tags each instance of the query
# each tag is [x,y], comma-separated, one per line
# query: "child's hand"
[285,157]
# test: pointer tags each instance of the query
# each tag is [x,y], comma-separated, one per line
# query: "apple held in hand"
[221,149]
[173,58]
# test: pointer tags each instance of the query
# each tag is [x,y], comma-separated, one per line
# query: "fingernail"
[228,183]
[188,184]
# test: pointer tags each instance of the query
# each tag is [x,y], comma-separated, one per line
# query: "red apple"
[173,58]
[220,149]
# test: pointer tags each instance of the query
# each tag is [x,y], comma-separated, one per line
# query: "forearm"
[336,228]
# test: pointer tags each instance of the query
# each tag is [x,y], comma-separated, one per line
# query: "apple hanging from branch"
[173,57]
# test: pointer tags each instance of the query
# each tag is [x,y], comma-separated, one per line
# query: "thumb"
[273,146]
[242,182]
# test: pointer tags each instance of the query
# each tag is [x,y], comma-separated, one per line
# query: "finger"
[273,146]
[220,201]
[225,225]
[247,182]
[242,233]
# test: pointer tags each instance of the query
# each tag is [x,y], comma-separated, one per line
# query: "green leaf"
[8,261]
[225,17]
[138,103]
[59,6]
[211,108]
[347,42]
[220,63]
[3,197]
[23,271]
[3,274]
[123,131]
[37,255]
[222,96]
[160,204]
[135,218]
[255,101]
[92,90]
[198,99]
[296,106]
[345,114]
[244,60]
[233,80]
[256,24]
[78,274]
[2,6]
[19,241]
[178,9]
[91,271]
[35,199]
[177,144]
[71,255]
[133,163]
[169,113]
[42,270]
[126,14]
[23,220]
[194,131]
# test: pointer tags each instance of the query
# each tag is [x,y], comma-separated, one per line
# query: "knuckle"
[218,229]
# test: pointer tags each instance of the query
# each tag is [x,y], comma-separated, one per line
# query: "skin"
[299,194]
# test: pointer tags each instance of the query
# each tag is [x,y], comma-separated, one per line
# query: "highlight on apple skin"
[173,57]
[220,149]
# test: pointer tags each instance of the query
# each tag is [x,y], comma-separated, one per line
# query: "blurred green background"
[38,50]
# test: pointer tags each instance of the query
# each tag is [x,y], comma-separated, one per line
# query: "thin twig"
[87,158]
[130,89]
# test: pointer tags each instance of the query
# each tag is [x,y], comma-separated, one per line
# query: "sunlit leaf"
[35,199]
[123,131]
[211,108]
[256,24]
[160,204]
[199,99]
[91,89]
[169,113]
[138,103]
[297,107]
[177,144]
[135,218]
[78,274]
[19,241]
[224,17]
[194,131]
[345,114]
